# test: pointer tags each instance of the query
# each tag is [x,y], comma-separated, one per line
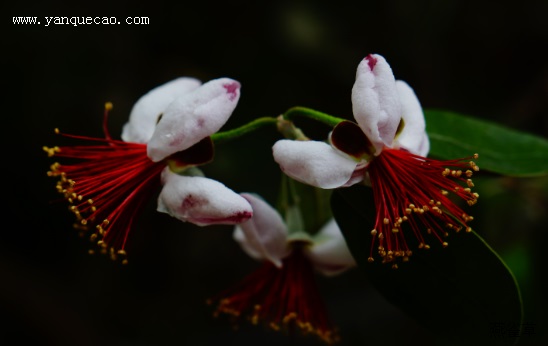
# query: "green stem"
[244,129]
[296,112]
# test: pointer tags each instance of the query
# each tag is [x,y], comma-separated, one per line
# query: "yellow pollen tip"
[374,232]
[56,130]
[386,221]
[108,106]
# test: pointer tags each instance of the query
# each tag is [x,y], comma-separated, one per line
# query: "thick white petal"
[412,135]
[264,236]
[194,116]
[313,162]
[329,252]
[375,101]
[201,201]
[145,112]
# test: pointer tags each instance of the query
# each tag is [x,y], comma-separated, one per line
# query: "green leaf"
[501,149]
[464,294]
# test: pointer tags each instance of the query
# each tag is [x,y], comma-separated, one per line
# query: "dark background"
[481,58]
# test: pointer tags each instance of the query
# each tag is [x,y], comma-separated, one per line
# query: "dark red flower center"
[107,186]
[285,298]
[108,182]
[419,192]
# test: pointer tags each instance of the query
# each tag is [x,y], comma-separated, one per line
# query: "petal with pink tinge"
[375,101]
[194,116]
[264,236]
[201,201]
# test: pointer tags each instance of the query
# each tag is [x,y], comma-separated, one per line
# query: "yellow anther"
[108,106]
[374,232]
[370,259]
[476,156]
[395,230]
[289,317]
[444,244]
[386,221]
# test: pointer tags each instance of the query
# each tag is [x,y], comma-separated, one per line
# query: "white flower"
[386,148]
[282,292]
[168,127]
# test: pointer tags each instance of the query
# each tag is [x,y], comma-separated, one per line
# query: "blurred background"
[481,58]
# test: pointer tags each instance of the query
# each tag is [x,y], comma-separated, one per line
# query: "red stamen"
[408,187]
[107,186]
[285,298]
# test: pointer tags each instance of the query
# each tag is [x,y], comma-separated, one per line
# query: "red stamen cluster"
[285,298]
[413,189]
[107,187]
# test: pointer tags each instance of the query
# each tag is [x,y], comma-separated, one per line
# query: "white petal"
[241,239]
[145,112]
[412,135]
[329,253]
[313,162]
[264,236]
[375,101]
[201,201]
[424,146]
[194,116]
